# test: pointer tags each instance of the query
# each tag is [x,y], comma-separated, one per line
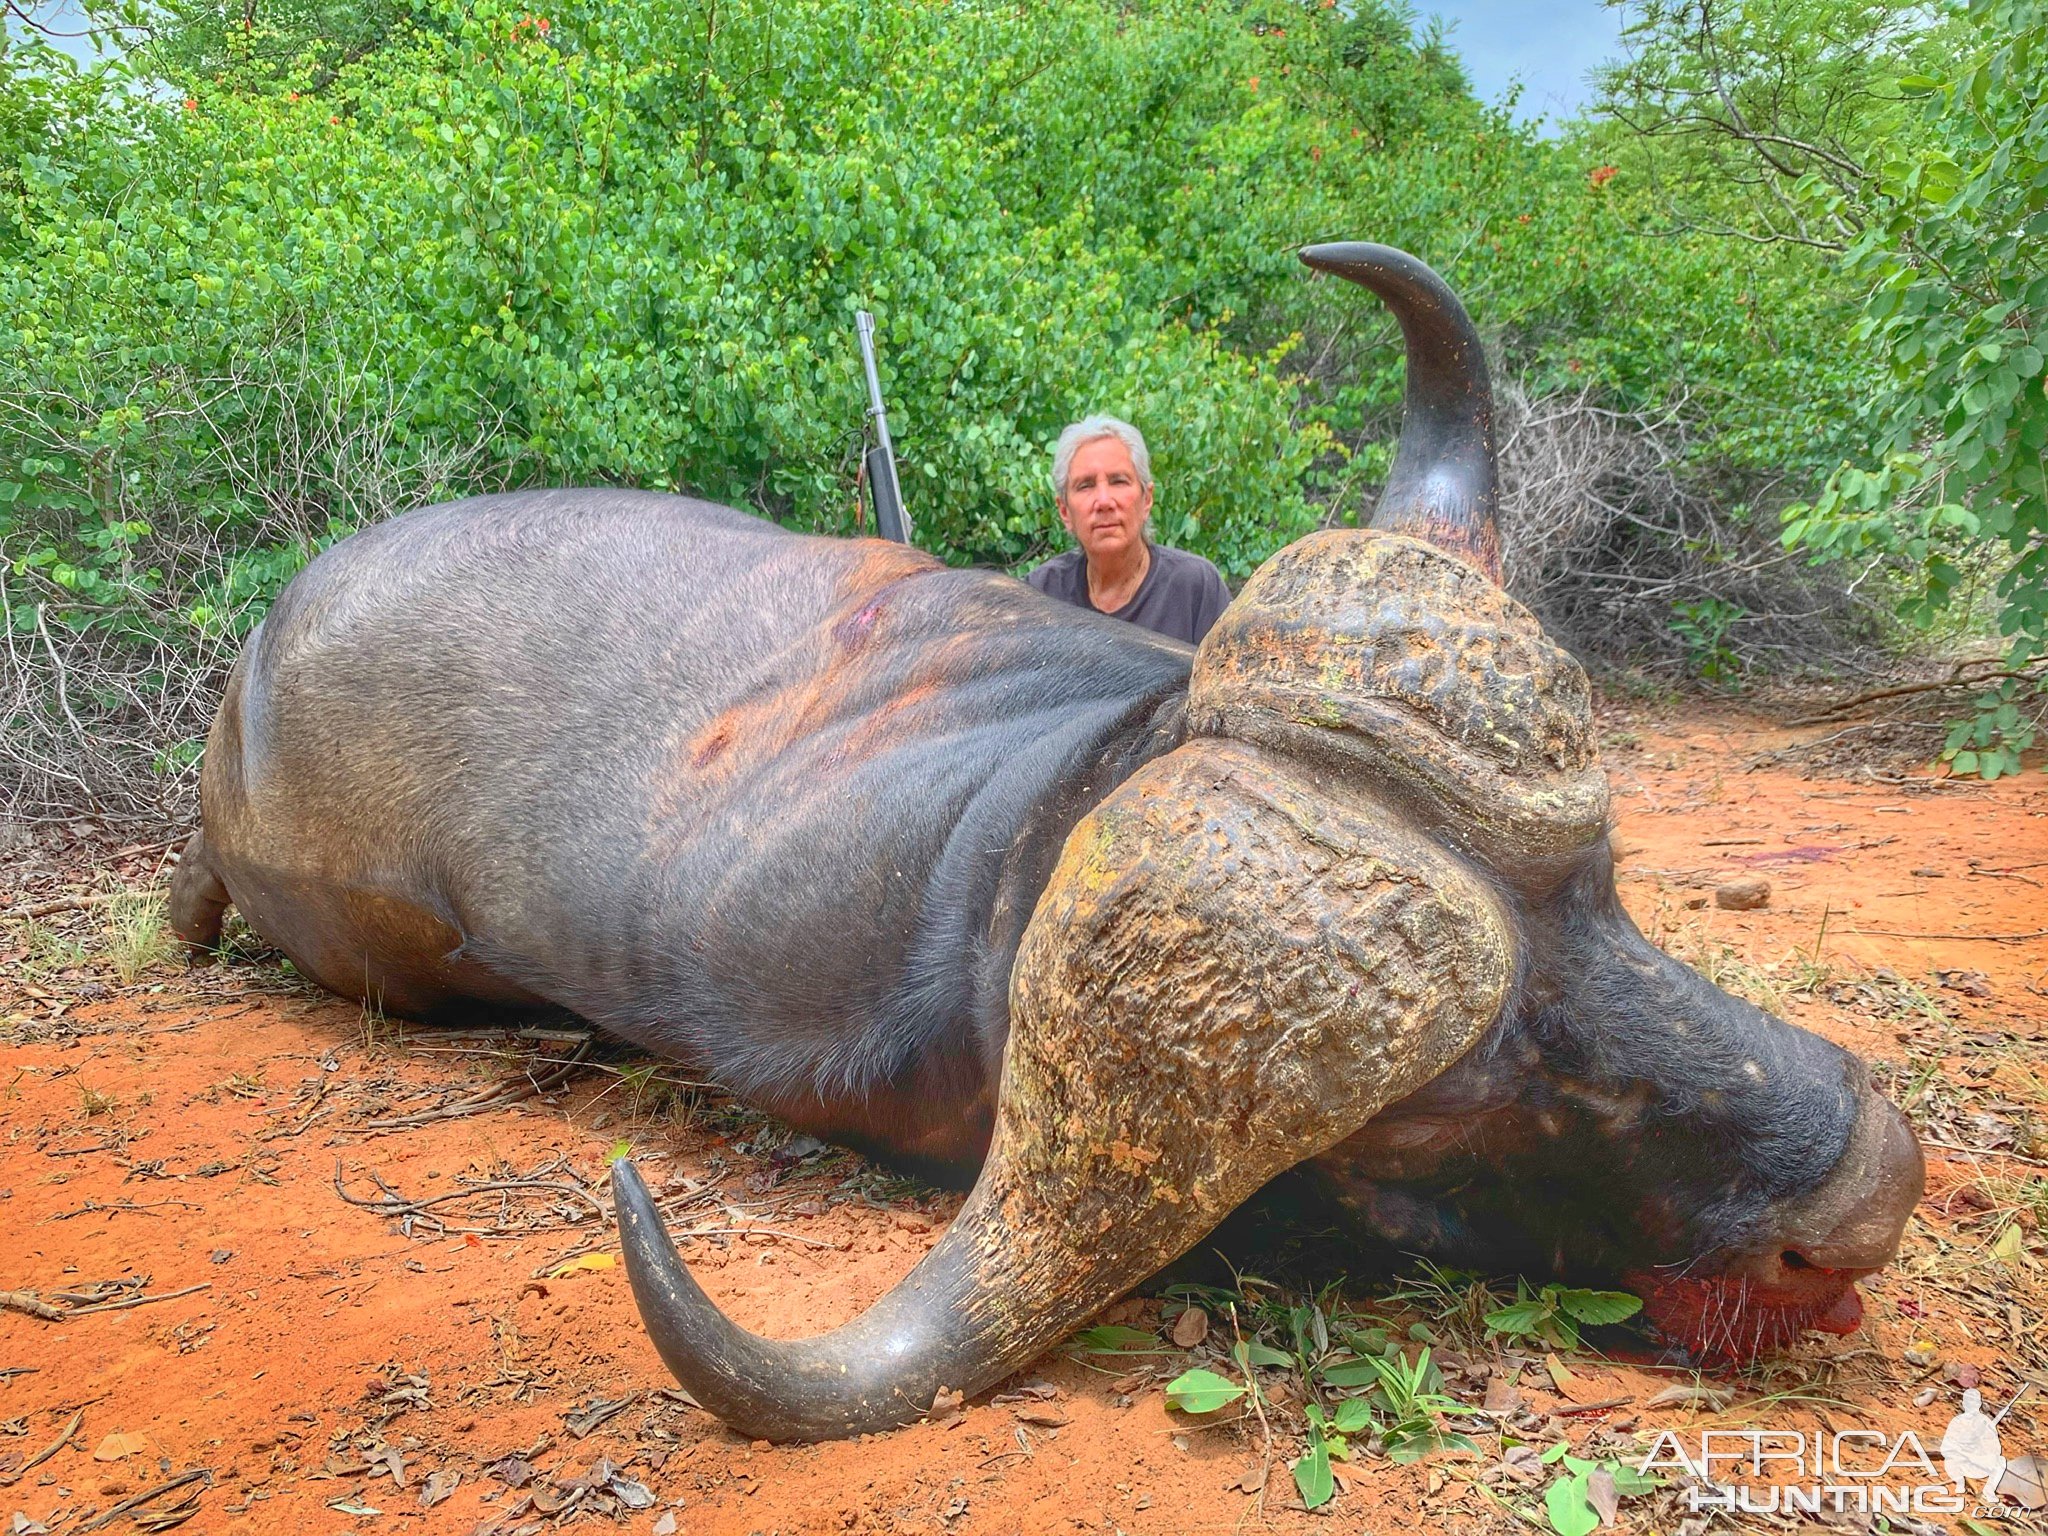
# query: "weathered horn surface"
[1236,963]
[1385,654]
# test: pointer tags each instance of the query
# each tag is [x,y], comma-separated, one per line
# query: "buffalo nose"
[1857,1215]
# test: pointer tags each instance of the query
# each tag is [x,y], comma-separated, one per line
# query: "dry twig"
[56,1445]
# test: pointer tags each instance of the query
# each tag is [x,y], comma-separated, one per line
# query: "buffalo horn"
[1234,965]
[1443,487]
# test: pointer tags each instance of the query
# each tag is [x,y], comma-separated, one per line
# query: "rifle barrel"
[890,520]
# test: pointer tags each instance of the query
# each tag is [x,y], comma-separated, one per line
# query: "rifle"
[890,519]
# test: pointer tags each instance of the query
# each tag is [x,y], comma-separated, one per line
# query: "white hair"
[1090,429]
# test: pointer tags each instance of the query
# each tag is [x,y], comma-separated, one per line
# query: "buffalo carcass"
[925,863]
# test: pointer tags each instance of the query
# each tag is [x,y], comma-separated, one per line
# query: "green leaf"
[1520,1318]
[1571,1511]
[1599,1306]
[1114,1339]
[1352,1373]
[1628,1482]
[1200,1391]
[1265,1354]
[1354,1416]
[1312,1472]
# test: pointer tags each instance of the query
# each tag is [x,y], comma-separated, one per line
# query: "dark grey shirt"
[1181,595]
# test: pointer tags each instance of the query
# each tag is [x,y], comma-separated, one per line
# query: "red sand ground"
[191,1129]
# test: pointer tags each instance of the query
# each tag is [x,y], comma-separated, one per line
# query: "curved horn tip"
[1355,258]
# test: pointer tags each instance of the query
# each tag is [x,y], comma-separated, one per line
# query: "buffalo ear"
[1397,664]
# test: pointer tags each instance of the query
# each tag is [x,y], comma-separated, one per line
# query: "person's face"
[1105,506]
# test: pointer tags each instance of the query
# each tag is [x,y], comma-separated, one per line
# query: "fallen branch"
[1955,679]
[146,1496]
[92,1207]
[498,1096]
[393,1204]
[60,904]
[1988,938]
[143,1301]
[32,1304]
[1566,1410]
[35,1306]
[45,1453]
[794,1237]
[140,849]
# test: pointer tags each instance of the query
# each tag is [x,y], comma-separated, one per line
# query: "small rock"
[1743,895]
[1922,1352]
[1694,903]
[911,1221]
[1923,1397]
[1926,872]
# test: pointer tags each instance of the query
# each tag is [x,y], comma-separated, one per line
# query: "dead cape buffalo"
[924,862]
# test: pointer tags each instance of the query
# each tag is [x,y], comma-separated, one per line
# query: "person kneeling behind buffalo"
[1102,477]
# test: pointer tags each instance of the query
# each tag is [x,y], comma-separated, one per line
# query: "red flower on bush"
[191,104]
[1603,174]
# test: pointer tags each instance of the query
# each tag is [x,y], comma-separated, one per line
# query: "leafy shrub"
[347,264]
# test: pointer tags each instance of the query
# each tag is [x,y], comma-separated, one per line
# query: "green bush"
[262,283]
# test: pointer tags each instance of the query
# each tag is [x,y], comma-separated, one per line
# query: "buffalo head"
[1362,920]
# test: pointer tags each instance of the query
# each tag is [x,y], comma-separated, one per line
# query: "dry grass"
[1608,528]
[136,934]
[49,951]
[108,719]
